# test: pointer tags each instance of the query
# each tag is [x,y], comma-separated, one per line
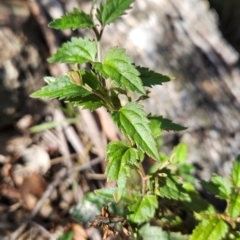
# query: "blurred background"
[42,142]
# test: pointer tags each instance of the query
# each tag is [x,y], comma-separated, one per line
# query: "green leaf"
[107,193]
[74,20]
[234,201]
[180,153]
[49,79]
[170,188]
[90,101]
[155,127]
[90,206]
[236,173]
[233,208]
[118,66]
[152,232]
[132,121]
[60,87]
[66,236]
[128,197]
[86,211]
[112,10]
[197,203]
[150,78]
[77,51]
[93,198]
[121,159]
[218,186]
[90,78]
[144,209]
[210,229]
[156,233]
[166,124]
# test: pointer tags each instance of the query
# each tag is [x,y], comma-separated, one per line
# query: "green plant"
[167,205]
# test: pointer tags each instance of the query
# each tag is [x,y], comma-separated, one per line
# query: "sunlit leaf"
[118,66]
[236,173]
[60,87]
[210,229]
[180,153]
[121,159]
[233,208]
[219,186]
[112,10]
[132,121]
[128,196]
[144,209]
[73,20]
[170,188]
[78,50]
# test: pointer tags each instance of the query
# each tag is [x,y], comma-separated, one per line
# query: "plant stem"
[109,103]
[143,176]
[99,50]
[98,40]
[92,7]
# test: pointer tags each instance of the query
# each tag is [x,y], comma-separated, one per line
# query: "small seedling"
[165,186]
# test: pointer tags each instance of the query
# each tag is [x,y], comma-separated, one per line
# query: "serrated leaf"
[61,87]
[109,194]
[132,121]
[77,51]
[218,186]
[235,176]
[121,159]
[210,229]
[118,66]
[90,78]
[170,188]
[73,20]
[90,102]
[144,209]
[233,208]
[49,79]
[180,153]
[150,78]
[112,10]
[166,124]
[197,203]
